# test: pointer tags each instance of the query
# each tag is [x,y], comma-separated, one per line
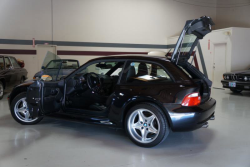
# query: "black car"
[237,81]
[11,73]
[148,96]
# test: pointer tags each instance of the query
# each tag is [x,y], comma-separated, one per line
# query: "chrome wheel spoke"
[27,115]
[144,134]
[22,110]
[152,129]
[137,125]
[151,119]
[141,115]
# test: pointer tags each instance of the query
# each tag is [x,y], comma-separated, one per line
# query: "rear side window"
[1,63]
[7,63]
[141,72]
[14,62]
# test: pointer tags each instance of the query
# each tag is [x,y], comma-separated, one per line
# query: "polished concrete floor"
[59,143]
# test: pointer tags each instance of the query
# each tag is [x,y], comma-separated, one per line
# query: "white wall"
[119,21]
[240,49]
[122,21]
[25,19]
[233,13]
[109,21]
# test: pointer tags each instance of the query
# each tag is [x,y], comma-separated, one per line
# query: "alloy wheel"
[22,111]
[143,125]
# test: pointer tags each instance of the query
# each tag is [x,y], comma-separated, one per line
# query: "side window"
[7,63]
[1,63]
[117,72]
[104,68]
[141,72]
[14,62]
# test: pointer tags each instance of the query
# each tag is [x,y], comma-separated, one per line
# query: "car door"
[51,96]
[45,97]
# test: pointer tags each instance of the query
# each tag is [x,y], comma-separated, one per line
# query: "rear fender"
[120,108]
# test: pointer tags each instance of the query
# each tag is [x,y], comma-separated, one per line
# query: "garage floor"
[59,143]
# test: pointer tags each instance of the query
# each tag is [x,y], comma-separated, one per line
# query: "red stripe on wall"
[17,51]
[95,53]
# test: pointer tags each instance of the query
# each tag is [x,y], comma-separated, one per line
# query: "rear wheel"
[146,125]
[1,90]
[236,90]
[20,111]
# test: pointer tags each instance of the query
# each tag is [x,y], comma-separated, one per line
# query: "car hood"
[244,72]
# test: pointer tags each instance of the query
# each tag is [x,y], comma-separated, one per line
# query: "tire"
[155,129]
[236,90]
[1,90]
[18,104]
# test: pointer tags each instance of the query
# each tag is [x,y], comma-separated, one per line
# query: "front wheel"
[146,125]
[236,90]
[20,111]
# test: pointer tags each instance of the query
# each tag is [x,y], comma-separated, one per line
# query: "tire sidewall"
[164,128]
[18,97]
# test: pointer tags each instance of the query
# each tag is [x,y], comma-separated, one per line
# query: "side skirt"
[83,119]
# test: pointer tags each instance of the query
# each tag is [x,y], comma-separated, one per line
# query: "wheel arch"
[16,91]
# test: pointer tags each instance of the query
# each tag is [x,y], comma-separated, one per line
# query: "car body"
[68,65]
[11,73]
[237,81]
[147,96]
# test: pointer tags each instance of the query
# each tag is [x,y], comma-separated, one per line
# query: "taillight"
[192,99]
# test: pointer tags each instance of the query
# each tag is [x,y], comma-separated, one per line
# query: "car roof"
[133,57]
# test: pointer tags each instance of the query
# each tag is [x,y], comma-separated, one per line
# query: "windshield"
[66,64]
[48,58]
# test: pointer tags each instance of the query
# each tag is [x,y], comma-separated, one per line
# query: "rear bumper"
[239,85]
[190,118]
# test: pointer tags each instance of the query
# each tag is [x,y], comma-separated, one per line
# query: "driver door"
[51,96]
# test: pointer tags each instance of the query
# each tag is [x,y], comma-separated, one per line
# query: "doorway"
[219,64]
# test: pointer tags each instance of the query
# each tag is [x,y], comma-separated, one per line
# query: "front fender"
[19,89]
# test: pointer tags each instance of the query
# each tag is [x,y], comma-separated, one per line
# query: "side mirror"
[43,67]
[46,78]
